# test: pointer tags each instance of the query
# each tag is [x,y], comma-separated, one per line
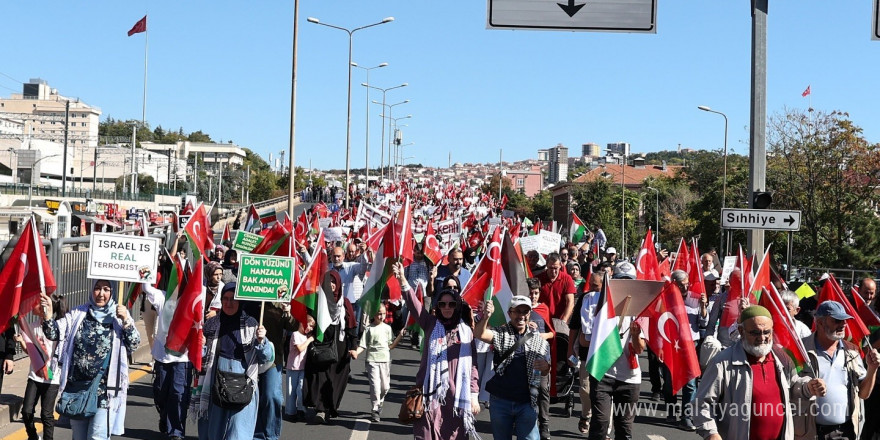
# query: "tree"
[821,165]
[598,204]
[198,136]
[262,185]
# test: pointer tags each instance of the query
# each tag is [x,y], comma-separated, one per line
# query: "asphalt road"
[353,423]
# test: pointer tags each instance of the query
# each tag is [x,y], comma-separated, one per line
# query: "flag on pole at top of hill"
[577,231]
[605,346]
[140,26]
[806,92]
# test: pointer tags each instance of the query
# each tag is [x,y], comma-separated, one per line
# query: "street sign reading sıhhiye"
[761,219]
[264,278]
[246,241]
[574,15]
[123,258]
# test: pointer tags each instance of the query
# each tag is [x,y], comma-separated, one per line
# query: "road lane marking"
[361,429]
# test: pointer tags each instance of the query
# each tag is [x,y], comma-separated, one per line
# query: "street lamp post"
[382,155]
[396,142]
[724,181]
[367,138]
[390,133]
[656,214]
[348,118]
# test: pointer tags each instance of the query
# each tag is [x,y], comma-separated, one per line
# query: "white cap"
[624,270]
[520,300]
[611,250]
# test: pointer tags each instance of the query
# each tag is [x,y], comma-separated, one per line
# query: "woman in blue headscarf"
[91,336]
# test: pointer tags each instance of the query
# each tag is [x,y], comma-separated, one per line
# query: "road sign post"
[761,219]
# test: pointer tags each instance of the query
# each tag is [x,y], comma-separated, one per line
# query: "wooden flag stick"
[262,310]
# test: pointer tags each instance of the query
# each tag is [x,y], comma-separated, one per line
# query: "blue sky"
[224,67]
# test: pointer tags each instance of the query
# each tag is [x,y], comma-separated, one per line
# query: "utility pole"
[64,160]
[219,182]
[247,199]
[134,130]
[758,119]
[291,202]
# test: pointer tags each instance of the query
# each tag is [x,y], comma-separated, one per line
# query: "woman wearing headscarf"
[90,336]
[234,343]
[325,384]
[213,283]
[447,372]
[230,266]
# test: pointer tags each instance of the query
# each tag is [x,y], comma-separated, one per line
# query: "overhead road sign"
[761,219]
[638,16]
[875,29]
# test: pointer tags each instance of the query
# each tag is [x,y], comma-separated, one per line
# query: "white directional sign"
[761,219]
[574,15]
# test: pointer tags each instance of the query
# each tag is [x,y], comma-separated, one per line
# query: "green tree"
[198,136]
[598,203]
[263,185]
[819,163]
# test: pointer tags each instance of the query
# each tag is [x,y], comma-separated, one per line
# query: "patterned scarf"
[437,381]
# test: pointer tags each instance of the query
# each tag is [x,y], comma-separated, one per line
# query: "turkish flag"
[647,267]
[403,234]
[185,329]
[669,336]
[24,276]
[682,259]
[198,228]
[806,92]
[432,246]
[140,26]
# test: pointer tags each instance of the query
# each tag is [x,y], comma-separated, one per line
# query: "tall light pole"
[291,190]
[656,214]
[388,107]
[31,182]
[348,118]
[396,142]
[382,155]
[622,202]
[367,138]
[724,181]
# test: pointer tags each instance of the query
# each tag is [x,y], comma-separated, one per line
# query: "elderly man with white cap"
[836,411]
[522,356]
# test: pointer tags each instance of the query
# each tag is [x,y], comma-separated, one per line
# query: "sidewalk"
[14,385]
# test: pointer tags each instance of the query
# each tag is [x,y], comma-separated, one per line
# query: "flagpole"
[144,103]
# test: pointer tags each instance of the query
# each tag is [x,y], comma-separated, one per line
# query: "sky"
[224,67]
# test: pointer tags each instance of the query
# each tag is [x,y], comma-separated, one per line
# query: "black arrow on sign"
[571,8]
[789,220]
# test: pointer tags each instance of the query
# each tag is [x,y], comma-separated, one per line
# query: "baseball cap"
[833,309]
[520,300]
[624,270]
[611,250]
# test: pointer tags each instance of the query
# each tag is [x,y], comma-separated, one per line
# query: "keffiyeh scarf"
[437,381]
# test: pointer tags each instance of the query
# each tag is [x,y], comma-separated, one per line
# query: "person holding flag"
[750,371]
[98,333]
[519,370]
[42,383]
[447,371]
[836,411]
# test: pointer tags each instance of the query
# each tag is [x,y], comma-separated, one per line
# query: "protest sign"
[638,293]
[548,242]
[246,241]
[123,258]
[334,234]
[264,278]
[729,265]
[529,243]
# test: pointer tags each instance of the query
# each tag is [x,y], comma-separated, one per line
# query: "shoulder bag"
[413,406]
[232,391]
[79,400]
[323,355]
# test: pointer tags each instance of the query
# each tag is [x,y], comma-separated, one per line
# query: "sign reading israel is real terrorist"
[264,278]
[123,258]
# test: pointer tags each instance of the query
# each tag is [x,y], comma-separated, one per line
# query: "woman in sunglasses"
[447,372]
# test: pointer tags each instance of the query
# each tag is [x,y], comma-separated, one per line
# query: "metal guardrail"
[843,275]
[86,192]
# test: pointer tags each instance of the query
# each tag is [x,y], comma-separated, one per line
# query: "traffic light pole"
[758,122]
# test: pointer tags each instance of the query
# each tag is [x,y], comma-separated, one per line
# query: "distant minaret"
[679,148]
[449,161]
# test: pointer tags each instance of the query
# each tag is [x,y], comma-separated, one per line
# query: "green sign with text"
[264,278]
[246,242]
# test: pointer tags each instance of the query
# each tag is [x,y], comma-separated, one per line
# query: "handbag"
[323,355]
[232,391]
[79,400]
[413,406]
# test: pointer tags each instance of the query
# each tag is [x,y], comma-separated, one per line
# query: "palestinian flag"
[381,275]
[253,219]
[309,297]
[134,291]
[605,346]
[226,238]
[268,217]
[577,231]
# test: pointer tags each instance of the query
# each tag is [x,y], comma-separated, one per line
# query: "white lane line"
[656,437]
[361,430]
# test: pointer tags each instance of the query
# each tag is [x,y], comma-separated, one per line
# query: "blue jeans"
[509,418]
[295,392]
[171,394]
[269,410]
[92,428]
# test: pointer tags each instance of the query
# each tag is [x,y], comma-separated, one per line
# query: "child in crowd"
[42,385]
[296,362]
[378,341]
